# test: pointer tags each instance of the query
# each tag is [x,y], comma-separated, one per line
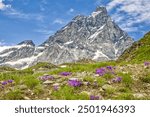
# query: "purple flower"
[4,83]
[10,81]
[74,83]
[46,77]
[146,63]
[100,71]
[118,79]
[109,68]
[55,88]
[92,97]
[65,73]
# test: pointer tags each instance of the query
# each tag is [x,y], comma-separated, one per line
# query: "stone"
[86,92]
[22,87]
[26,98]
[106,86]
[138,95]
[48,82]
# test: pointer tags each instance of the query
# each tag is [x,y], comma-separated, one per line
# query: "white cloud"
[71,10]
[8,10]
[59,21]
[4,6]
[11,12]
[130,12]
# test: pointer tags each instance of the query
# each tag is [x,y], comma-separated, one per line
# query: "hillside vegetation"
[138,52]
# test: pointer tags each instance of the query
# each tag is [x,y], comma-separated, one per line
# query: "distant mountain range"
[94,37]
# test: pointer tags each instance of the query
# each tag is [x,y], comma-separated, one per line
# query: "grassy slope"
[138,52]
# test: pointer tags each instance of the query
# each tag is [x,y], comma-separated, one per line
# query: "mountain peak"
[27,42]
[99,10]
[102,9]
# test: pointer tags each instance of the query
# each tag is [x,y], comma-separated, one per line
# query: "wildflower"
[118,79]
[46,77]
[100,71]
[10,81]
[65,73]
[92,97]
[74,83]
[146,63]
[56,86]
[109,68]
[4,83]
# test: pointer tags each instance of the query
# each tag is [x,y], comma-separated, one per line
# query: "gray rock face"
[94,37]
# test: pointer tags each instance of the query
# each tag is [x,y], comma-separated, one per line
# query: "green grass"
[31,81]
[101,82]
[126,79]
[43,65]
[139,52]
[125,96]
[146,79]
[81,67]
[89,79]
[5,68]
[108,76]
[68,93]
[13,95]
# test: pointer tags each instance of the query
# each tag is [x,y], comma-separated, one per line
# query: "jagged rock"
[95,37]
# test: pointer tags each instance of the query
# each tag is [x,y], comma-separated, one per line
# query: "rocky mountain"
[94,37]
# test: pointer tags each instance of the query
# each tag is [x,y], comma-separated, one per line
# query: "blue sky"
[38,19]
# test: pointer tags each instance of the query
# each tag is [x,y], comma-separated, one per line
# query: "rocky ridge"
[94,37]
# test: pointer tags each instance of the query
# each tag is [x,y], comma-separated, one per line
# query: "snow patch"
[94,14]
[99,54]
[97,33]
[27,61]
[116,50]
[6,54]
[2,48]
[69,42]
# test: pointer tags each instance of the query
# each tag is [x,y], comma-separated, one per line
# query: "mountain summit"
[94,37]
